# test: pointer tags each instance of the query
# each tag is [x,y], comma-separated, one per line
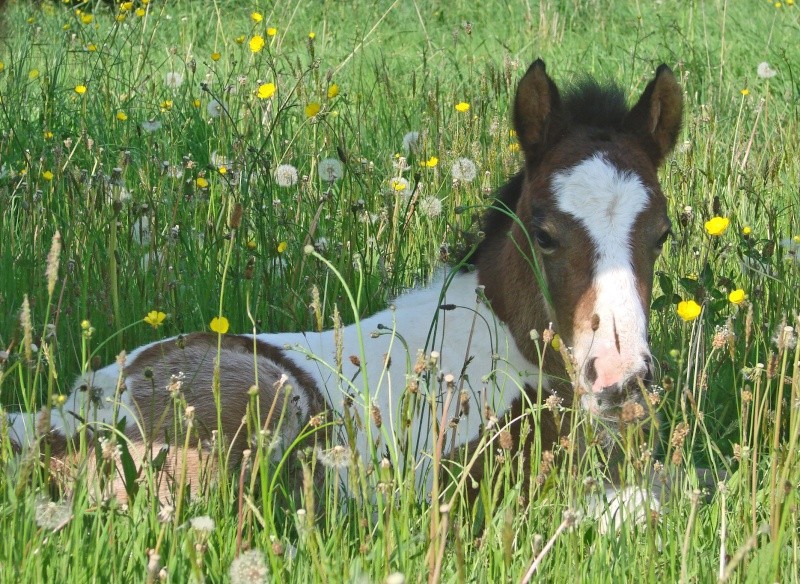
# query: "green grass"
[69,164]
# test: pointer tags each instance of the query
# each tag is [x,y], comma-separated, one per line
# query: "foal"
[569,246]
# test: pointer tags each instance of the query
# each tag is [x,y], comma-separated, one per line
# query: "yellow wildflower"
[745,91]
[256,43]
[239,39]
[122,116]
[431,162]
[688,310]
[201,182]
[716,226]
[282,246]
[216,56]
[737,296]
[140,12]
[91,47]
[47,175]
[312,35]
[272,31]
[126,6]
[155,318]
[266,90]
[747,230]
[80,89]
[33,74]
[333,90]
[220,325]
[166,104]
[48,135]
[312,109]
[222,170]
[462,106]
[86,18]
[256,17]
[196,103]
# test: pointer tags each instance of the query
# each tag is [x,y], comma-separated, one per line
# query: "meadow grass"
[147,136]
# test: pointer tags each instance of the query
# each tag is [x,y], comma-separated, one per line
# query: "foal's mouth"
[626,404]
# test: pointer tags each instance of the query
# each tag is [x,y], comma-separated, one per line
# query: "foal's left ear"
[535,105]
[657,115]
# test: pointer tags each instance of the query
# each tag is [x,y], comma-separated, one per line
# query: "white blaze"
[607,202]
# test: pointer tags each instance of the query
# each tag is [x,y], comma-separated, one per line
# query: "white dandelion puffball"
[151,126]
[173,79]
[286,175]
[203,523]
[765,71]
[400,186]
[431,207]
[215,108]
[330,169]
[411,142]
[250,567]
[464,170]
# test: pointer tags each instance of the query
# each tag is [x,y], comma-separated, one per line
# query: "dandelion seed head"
[411,142]
[50,515]
[337,457]
[173,79]
[330,169]
[215,108]
[151,126]
[464,170]
[286,175]
[431,207]
[203,524]
[765,71]
[250,567]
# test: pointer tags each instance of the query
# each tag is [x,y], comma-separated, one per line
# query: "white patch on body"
[617,506]
[467,338]
[607,202]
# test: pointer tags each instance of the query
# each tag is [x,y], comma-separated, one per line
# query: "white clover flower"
[464,170]
[765,71]
[151,126]
[286,175]
[330,169]
[173,79]
[431,207]
[203,524]
[250,567]
[411,142]
[215,108]
[400,186]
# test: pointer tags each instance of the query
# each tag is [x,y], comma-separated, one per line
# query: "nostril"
[591,370]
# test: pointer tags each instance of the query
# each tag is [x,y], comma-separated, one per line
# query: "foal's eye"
[662,240]
[544,240]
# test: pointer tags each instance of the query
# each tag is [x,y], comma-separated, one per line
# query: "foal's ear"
[534,106]
[657,115]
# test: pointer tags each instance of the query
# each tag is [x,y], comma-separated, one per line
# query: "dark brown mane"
[586,103]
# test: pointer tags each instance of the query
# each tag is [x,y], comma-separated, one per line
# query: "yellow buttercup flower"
[155,318]
[80,89]
[33,74]
[86,18]
[239,39]
[462,106]
[140,12]
[216,56]
[745,91]
[747,231]
[689,310]
[282,246]
[220,325]
[272,31]
[201,182]
[737,296]
[716,226]
[91,47]
[122,116]
[256,17]
[126,6]
[333,90]
[47,175]
[196,103]
[166,104]
[431,162]
[312,35]
[256,43]
[312,109]
[266,90]
[222,170]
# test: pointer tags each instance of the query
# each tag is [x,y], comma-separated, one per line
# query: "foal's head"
[590,202]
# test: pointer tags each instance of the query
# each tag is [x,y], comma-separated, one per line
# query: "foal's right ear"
[536,102]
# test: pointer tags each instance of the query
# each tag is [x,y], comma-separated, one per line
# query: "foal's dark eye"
[663,239]
[544,241]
